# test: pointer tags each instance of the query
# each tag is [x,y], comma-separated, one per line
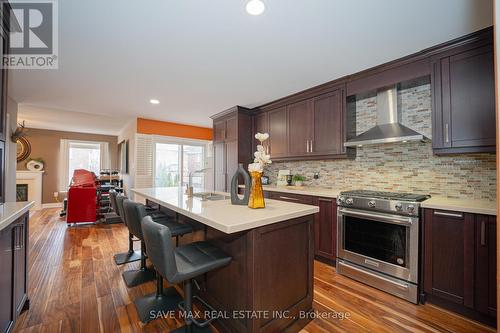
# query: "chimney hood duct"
[388,128]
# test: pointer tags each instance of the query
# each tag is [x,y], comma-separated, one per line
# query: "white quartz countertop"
[486,207]
[221,214]
[10,211]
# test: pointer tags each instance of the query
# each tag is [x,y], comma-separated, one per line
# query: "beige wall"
[45,144]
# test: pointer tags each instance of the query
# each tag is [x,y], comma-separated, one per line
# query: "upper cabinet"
[278,133]
[463,92]
[310,127]
[232,144]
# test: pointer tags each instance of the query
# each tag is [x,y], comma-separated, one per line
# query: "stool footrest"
[202,301]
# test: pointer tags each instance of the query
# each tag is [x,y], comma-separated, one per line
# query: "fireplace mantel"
[34,181]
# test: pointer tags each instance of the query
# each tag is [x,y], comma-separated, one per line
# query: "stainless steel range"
[378,240]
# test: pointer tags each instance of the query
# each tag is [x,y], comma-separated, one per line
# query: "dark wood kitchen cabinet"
[14,273]
[463,98]
[325,229]
[260,125]
[458,260]
[300,128]
[328,127]
[485,274]
[306,128]
[233,141]
[325,222]
[278,133]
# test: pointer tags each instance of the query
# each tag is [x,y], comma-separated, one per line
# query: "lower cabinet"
[13,276]
[459,262]
[325,227]
[325,222]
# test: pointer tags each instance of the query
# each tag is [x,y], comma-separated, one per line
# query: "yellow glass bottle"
[256,199]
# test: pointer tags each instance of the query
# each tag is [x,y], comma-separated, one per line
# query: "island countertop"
[221,214]
[10,211]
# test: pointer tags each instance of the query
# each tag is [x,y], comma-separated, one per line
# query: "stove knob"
[371,203]
[398,206]
[410,209]
[340,200]
[349,201]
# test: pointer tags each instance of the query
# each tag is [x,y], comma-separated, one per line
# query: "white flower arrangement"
[260,156]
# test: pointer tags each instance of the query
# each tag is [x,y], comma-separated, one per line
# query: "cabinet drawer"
[297,198]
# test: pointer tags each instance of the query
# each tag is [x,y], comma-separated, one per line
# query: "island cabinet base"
[268,286]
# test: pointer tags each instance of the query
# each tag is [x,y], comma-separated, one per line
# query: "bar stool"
[180,264]
[134,212]
[131,255]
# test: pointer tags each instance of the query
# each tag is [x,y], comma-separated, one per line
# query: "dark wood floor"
[76,287]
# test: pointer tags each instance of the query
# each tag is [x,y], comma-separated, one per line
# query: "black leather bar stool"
[181,264]
[131,255]
[134,212]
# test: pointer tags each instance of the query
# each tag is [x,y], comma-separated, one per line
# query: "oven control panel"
[408,208]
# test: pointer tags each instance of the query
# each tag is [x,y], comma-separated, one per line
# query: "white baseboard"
[52,205]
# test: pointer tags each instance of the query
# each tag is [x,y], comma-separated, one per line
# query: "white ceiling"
[201,57]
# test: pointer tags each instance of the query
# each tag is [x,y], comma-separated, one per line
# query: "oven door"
[382,242]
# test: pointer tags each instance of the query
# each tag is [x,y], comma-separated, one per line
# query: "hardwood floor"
[76,287]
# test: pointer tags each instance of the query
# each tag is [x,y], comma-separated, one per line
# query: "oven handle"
[406,221]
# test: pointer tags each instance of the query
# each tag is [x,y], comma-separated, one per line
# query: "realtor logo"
[33,34]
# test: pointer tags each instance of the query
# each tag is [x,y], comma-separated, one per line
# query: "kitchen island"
[268,286]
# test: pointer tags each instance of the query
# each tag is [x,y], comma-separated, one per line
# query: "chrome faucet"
[189,188]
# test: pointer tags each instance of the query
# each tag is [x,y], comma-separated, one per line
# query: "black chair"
[131,255]
[134,212]
[177,265]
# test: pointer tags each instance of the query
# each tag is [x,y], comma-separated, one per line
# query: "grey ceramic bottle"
[235,199]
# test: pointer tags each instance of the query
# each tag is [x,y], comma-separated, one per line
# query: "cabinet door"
[485,283]
[219,166]
[449,256]
[464,100]
[6,281]
[278,132]
[232,128]
[231,161]
[260,125]
[299,128]
[328,124]
[219,130]
[325,229]
[20,235]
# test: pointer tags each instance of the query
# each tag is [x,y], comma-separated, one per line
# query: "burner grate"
[387,195]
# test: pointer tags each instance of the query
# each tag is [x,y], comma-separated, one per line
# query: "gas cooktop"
[386,195]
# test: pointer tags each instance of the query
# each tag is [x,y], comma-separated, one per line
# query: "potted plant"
[299,180]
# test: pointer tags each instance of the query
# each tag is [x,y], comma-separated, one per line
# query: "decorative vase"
[235,199]
[256,193]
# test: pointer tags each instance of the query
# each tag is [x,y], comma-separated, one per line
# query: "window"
[88,155]
[174,162]
[84,156]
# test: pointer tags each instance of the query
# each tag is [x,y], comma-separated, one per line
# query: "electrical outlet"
[56,194]
[316,175]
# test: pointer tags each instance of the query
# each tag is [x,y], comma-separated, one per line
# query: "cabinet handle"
[311,146]
[446,133]
[307,146]
[483,233]
[457,215]
[289,198]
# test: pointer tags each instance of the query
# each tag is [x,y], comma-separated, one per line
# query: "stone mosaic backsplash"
[408,167]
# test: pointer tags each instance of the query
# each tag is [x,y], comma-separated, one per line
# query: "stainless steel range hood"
[388,128]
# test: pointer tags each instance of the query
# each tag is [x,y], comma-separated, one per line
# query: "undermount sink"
[210,196]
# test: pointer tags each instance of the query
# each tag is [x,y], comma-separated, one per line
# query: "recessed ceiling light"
[255,7]
[154,101]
